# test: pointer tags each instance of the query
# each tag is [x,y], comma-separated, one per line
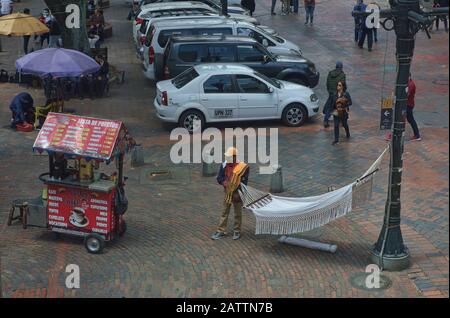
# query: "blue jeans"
[295,4]
[412,121]
[343,120]
[309,13]
[362,37]
[357,31]
[273,5]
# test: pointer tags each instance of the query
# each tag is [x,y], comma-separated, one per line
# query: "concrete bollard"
[209,169]
[276,180]
[137,156]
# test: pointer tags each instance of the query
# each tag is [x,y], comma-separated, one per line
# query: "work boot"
[236,235]
[218,235]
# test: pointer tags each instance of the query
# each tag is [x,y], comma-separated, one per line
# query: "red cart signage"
[74,135]
[80,209]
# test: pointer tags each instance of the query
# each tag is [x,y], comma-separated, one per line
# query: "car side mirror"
[271,90]
[266,59]
[265,42]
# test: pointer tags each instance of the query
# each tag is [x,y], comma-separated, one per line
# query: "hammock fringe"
[296,215]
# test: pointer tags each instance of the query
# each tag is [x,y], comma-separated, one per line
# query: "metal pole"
[390,252]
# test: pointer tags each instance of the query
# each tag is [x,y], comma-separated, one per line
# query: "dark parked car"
[182,53]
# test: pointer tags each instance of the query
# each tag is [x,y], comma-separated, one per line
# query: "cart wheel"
[123,228]
[94,243]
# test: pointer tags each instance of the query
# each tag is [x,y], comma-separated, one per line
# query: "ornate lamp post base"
[397,262]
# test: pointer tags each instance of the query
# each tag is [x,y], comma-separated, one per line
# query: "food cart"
[81,200]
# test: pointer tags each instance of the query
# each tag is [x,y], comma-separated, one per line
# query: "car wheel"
[94,243]
[187,120]
[297,80]
[294,115]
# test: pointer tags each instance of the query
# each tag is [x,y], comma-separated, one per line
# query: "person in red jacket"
[410,107]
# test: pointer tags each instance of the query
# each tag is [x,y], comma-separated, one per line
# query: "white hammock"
[283,215]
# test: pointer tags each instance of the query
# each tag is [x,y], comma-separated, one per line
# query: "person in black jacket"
[102,76]
[341,103]
[249,5]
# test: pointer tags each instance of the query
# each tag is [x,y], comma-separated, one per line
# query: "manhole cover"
[165,175]
[364,282]
[159,175]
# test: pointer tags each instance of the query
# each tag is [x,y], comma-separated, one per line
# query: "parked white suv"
[160,32]
[232,92]
[174,9]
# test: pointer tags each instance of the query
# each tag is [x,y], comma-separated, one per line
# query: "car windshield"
[271,81]
[184,78]
[270,36]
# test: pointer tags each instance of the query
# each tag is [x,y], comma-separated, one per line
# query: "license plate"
[223,113]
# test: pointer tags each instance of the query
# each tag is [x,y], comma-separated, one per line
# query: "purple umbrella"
[57,62]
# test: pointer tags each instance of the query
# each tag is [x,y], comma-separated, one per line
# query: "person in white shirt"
[6,7]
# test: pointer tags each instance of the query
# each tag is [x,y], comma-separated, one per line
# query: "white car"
[176,10]
[232,92]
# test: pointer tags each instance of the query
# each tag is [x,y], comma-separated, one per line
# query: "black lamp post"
[407,17]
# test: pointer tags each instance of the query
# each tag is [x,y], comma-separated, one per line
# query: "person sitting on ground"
[101,76]
[22,109]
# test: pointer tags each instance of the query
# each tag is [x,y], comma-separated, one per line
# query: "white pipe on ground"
[308,244]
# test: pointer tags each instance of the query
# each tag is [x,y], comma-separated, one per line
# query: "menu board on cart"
[79,209]
[84,136]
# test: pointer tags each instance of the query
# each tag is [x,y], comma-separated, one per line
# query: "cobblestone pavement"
[167,251]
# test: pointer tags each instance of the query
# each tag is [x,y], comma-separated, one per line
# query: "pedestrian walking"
[366,31]
[341,103]
[26,38]
[54,34]
[410,109]
[249,5]
[309,9]
[334,76]
[46,19]
[231,175]
[272,9]
[359,20]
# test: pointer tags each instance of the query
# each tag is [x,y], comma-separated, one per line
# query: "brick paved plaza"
[167,251]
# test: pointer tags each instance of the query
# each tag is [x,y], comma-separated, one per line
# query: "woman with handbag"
[341,103]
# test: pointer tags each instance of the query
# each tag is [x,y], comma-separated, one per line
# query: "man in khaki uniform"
[230,176]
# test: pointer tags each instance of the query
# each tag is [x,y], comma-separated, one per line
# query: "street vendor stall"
[81,200]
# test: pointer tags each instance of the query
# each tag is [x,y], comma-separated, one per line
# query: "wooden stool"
[23,208]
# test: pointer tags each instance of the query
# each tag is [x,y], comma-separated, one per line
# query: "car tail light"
[166,72]
[151,55]
[142,39]
[139,21]
[165,99]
